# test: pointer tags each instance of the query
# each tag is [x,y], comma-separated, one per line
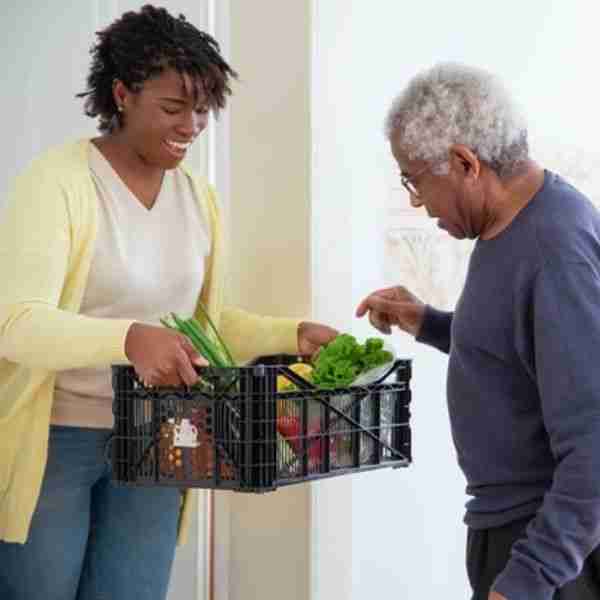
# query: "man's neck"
[510,196]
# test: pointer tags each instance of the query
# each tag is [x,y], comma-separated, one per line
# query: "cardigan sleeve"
[249,335]
[37,253]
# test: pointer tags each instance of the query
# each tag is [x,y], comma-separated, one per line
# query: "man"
[524,338]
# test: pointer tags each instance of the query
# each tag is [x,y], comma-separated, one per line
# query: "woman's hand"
[161,356]
[393,306]
[312,336]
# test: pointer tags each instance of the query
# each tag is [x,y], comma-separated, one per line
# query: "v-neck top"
[146,264]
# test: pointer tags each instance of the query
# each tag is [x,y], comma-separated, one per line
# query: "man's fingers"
[380,322]
[378,308]
[362,307]
[365,305]
[383,305]
[391,294]
[378,304]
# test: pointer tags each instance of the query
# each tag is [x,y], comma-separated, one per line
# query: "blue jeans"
[89,539]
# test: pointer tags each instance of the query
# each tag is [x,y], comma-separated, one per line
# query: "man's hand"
[496,596]
[162,356]
[393,306]
[311,336]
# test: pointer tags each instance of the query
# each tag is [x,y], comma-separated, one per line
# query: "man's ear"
[464,161]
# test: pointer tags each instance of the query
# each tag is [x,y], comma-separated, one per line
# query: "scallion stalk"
[214,351]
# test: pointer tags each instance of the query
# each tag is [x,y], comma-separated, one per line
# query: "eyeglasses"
[407,181]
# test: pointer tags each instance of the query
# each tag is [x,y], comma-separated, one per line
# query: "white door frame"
[214,510]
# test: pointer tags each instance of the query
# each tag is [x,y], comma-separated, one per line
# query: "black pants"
[488,551]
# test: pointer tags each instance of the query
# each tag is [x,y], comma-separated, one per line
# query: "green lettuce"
[340,362]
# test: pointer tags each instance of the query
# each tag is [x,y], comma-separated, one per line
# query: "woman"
[101,238]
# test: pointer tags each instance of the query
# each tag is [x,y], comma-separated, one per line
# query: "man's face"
[165,117]
[444,197]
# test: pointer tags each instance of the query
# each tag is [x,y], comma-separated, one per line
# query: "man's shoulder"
[565,223]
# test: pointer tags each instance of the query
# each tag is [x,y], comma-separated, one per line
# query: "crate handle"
[395,366]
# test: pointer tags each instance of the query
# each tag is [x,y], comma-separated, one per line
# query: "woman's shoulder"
[198,181]
[61,162]
[202,188]
[56,182]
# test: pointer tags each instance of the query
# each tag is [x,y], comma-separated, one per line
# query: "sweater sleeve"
[435,329]
[249,335]
[37,258]
[566,334]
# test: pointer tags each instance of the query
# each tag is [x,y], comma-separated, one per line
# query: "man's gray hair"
[457,104]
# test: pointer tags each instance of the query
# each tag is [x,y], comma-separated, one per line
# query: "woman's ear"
[464,162]
[120,93]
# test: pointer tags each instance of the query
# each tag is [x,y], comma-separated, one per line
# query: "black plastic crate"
[235,431]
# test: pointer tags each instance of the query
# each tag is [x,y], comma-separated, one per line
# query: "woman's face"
[164,118]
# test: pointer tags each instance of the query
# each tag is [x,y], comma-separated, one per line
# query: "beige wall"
[270,156]
[268,536]
[270,546]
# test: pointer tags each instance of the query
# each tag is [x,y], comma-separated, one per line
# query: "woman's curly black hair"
[139,46]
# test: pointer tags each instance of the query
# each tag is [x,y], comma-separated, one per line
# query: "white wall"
[40,80]
[398,523]
[404,527]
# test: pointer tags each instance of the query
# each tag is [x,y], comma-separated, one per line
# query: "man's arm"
[397,306]
[566,336]
[435,329]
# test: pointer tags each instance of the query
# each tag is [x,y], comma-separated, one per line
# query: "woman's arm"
[39,268]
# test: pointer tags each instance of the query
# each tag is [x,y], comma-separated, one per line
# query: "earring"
[120,108]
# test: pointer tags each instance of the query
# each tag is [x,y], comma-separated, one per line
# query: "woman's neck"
[144,180]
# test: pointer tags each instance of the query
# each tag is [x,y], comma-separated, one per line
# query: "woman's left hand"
[311,336]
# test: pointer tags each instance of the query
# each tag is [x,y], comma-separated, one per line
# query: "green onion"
[202,344]
[217,335]
[215,352]
[194,326]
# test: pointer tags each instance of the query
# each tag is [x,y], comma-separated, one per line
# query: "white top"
[146,264]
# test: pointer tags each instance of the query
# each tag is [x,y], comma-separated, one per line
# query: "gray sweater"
[524,386]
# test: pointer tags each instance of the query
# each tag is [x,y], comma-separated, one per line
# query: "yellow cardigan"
[47,236]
